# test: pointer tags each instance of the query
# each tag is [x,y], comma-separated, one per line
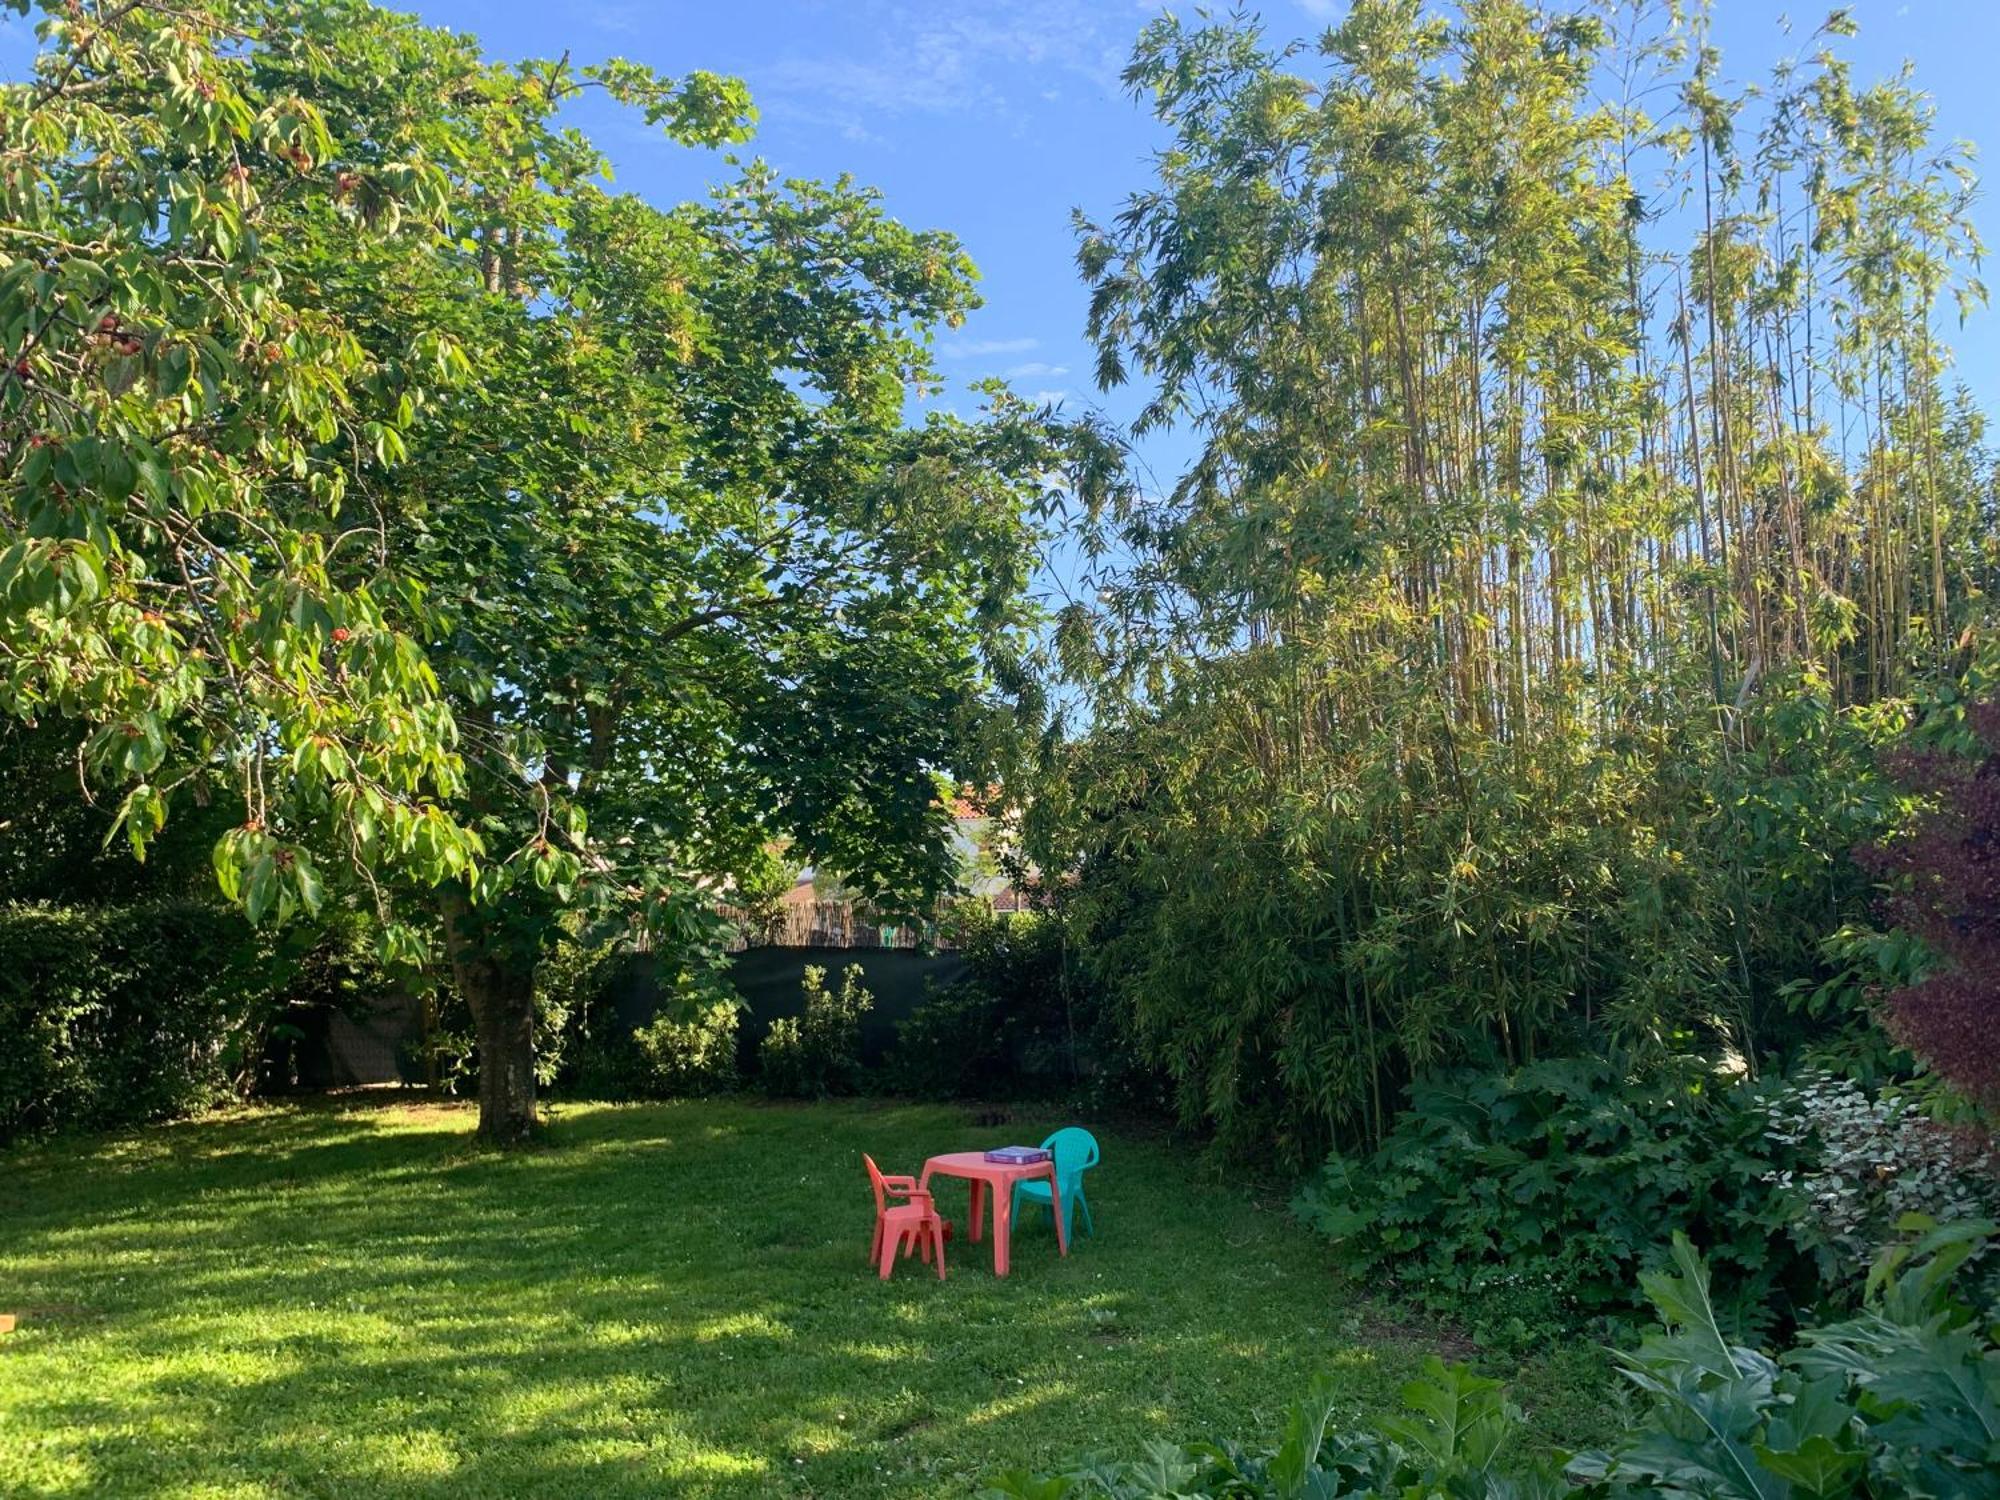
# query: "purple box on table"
[1017,1156]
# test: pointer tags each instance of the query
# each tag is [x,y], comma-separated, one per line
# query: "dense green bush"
[1292,946]
[115,1015]
[1861,1163]
[955,1045]
[1528,1201]
[687,1049]
[818,1051]
[124,996]
[682,1059]
[1025,1022]
[1900,1402]
[1009,1028]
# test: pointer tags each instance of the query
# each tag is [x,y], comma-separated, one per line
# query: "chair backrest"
[1074,1148]
[875,1181]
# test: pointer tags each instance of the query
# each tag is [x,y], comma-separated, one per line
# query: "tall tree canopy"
[1578,494]
[518,549]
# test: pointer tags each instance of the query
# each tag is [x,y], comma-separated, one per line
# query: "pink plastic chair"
[901,1227]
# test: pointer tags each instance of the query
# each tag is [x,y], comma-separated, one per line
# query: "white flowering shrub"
[1868,1162]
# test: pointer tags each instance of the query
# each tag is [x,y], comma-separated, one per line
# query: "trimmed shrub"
[113,1016]
[688,1049]
[817,1052]
[684,1059]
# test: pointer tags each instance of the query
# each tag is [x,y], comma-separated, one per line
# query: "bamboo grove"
[1581,494]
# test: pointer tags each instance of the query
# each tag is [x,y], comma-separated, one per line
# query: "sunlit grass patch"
[348,1301]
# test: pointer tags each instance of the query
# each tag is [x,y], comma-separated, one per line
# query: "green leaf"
[1460,1419]
[1685,1304]
[306,879]
[261,887]
[1818,1468]
[1305,1431]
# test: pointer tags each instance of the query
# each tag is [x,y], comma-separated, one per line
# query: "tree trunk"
[501,993]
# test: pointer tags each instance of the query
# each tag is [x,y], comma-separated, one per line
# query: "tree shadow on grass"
[661,1300]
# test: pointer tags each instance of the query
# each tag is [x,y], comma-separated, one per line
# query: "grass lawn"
[348,1300]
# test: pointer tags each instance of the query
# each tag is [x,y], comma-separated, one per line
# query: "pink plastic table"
[998,1177]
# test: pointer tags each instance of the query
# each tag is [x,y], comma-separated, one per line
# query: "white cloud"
[1034,368]
[917,57]
[978,348]
[1052,398]
[620,17]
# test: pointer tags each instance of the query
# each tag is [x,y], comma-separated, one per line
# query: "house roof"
[970,802]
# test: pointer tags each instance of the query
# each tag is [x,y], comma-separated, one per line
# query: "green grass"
[348,1300]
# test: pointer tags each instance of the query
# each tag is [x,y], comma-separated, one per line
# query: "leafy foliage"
[182,429]
[1503,675]
[53,845]
[527,554]
[1947,894]
[119,1015]
[1026,1022]
[955,1045]
[1902,1401]
[1446,1441]
[1865,1164]
[818,1051]
[1529,1201]
[682,1059]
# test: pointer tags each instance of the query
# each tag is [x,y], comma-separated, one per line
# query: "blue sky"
[994,118]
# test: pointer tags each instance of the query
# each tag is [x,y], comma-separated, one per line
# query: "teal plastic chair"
[1075,1151]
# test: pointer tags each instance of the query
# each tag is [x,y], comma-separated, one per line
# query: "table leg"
[976,1209]
[1056,1208]
[1003,1213]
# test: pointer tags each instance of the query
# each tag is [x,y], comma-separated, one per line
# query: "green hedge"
[111,1016]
